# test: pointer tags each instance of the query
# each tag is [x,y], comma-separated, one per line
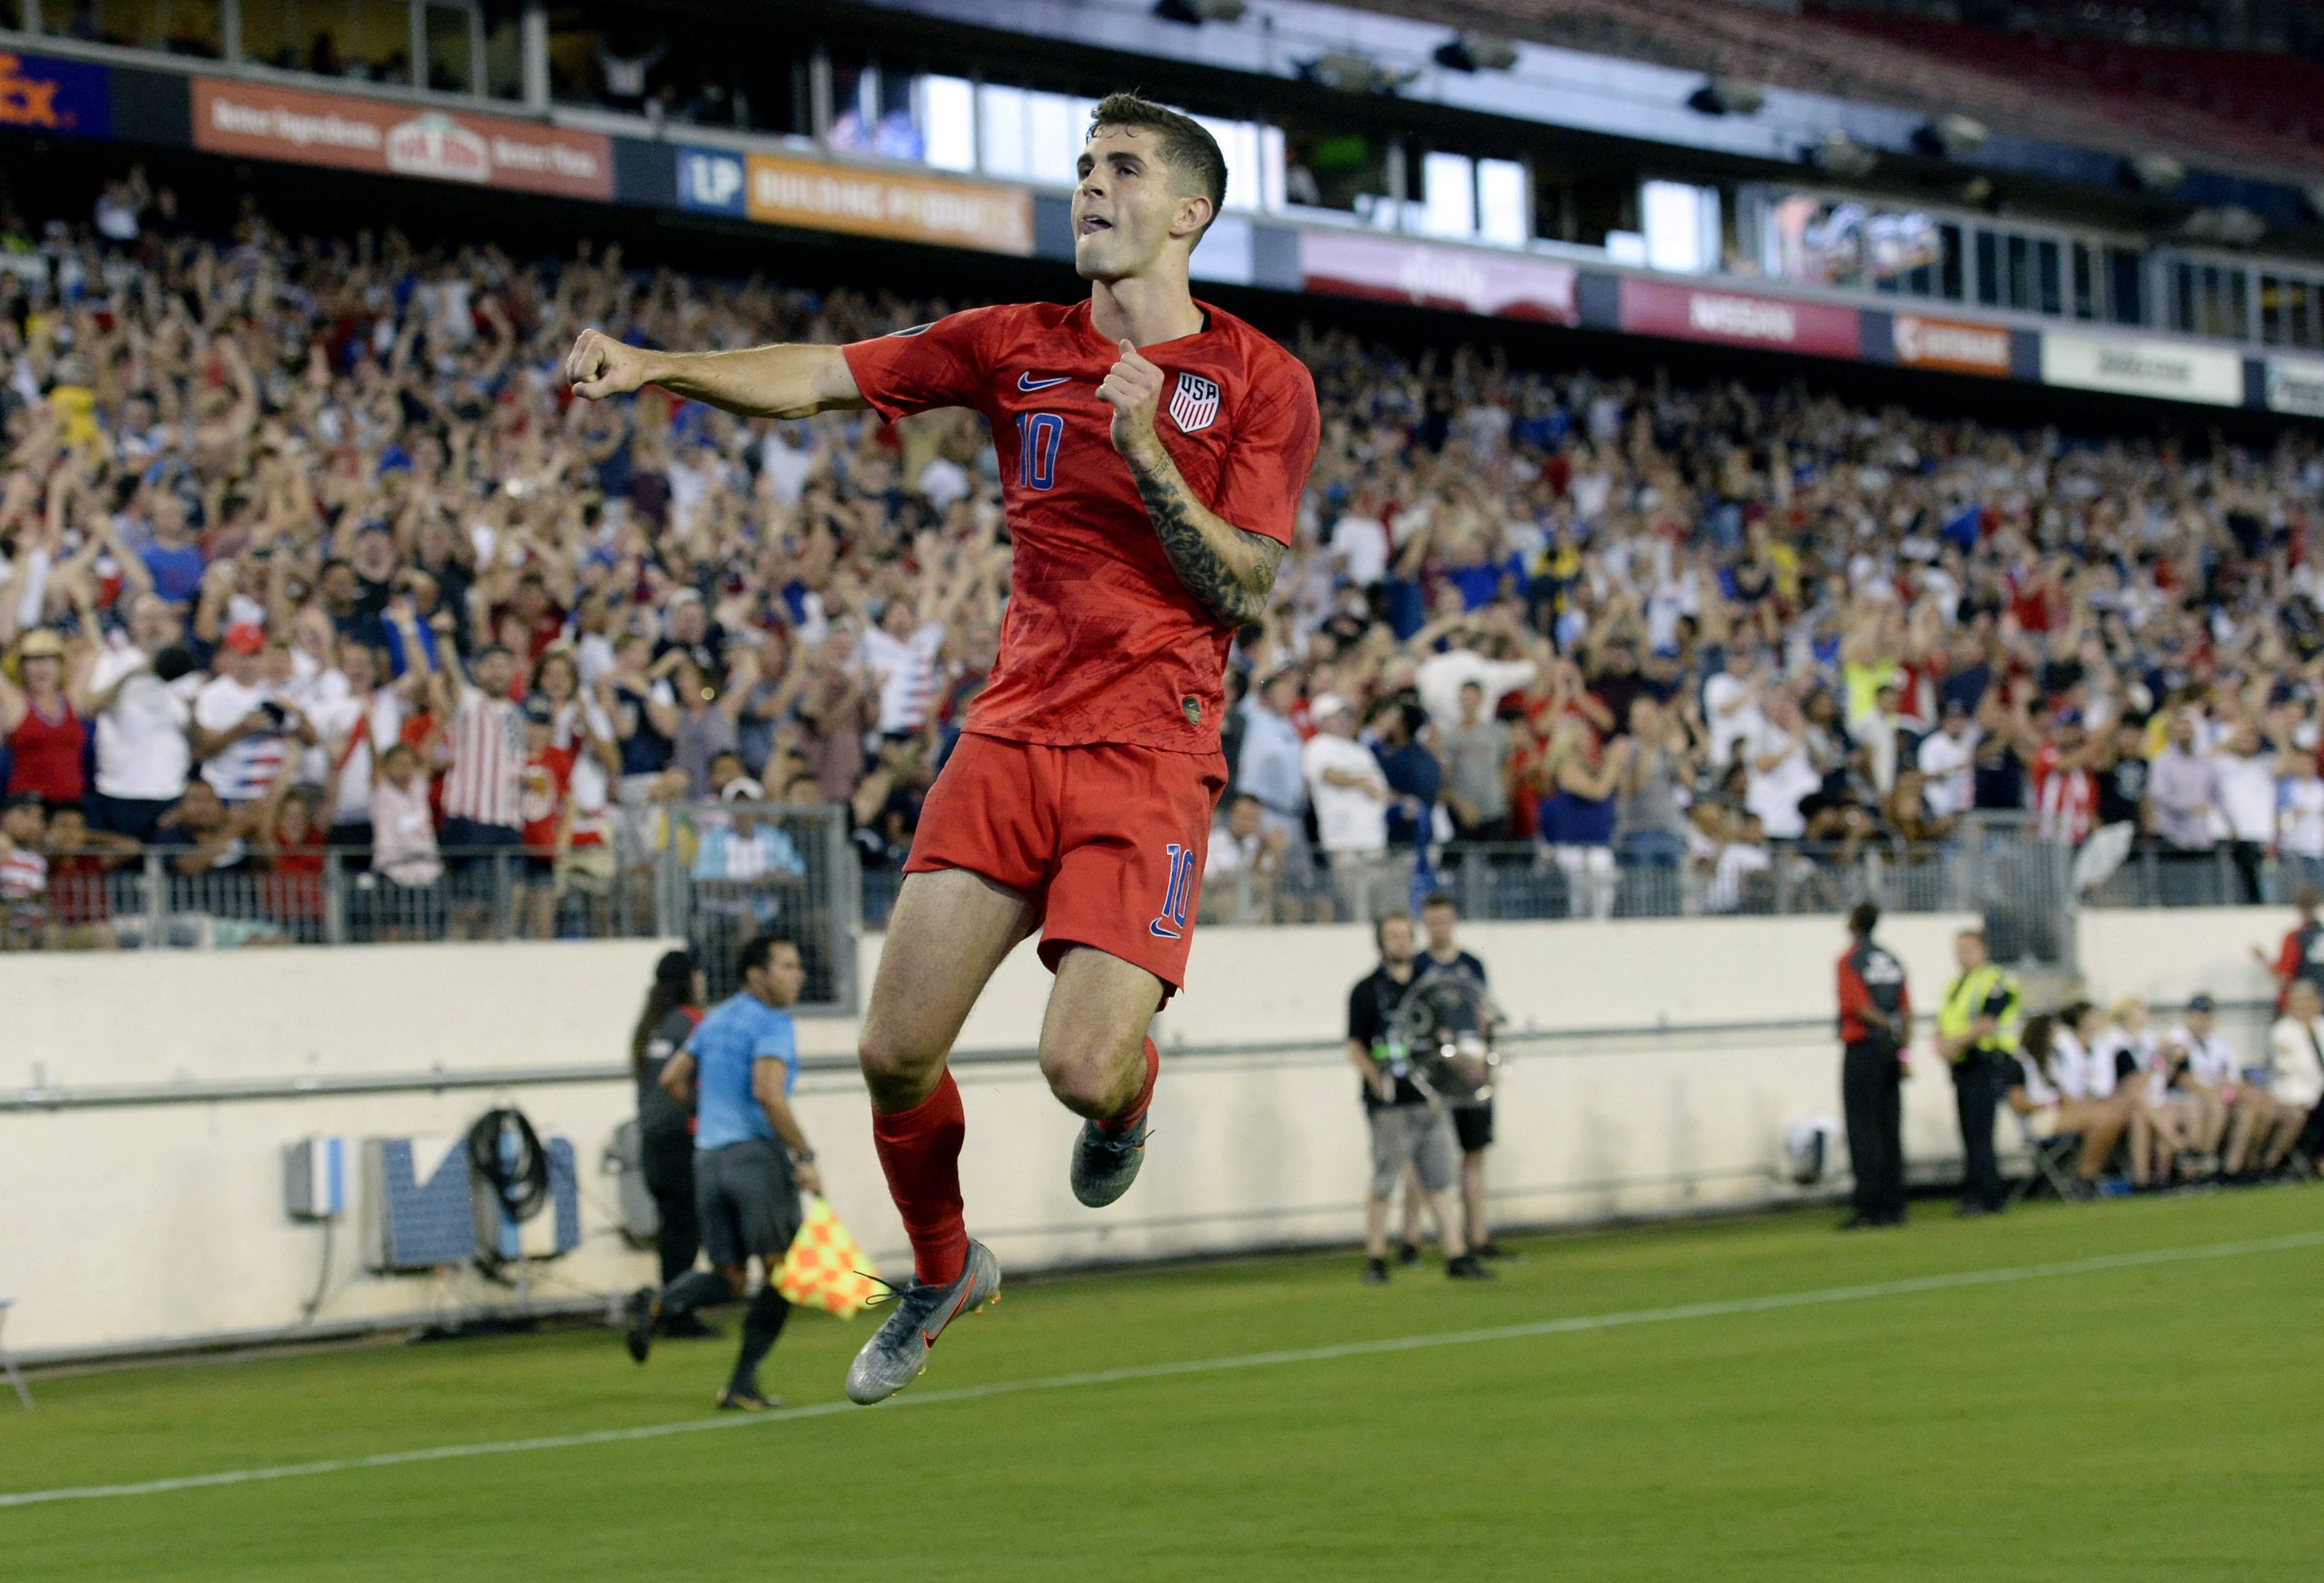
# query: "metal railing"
[714,873]
[711,873]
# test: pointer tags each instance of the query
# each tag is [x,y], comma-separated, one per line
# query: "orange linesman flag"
[824,1266]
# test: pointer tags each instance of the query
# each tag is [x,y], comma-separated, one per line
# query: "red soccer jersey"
[1103,642]
[540,797]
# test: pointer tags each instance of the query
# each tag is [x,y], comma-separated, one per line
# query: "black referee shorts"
[746,1202]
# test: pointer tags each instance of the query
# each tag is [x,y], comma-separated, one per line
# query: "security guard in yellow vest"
[1976,1031]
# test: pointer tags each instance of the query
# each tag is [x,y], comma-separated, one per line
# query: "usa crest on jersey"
[1194,404]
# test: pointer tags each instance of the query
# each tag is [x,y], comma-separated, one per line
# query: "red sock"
[919,1149]
[1136,1111]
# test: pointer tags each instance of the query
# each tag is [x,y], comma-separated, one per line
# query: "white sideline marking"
[1724,1308]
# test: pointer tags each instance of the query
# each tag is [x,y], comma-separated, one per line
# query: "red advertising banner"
[1470,280]
[398,140]
[1959,345]
[1734,318]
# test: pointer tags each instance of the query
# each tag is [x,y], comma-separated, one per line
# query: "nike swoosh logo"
[967,1292]
[1027,381]
[1163,930]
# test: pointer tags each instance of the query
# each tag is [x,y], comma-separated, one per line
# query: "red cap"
[243,638]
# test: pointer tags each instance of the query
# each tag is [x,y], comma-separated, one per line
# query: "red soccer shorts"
[1107,839]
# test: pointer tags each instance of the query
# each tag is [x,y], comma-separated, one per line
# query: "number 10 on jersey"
[1038,433]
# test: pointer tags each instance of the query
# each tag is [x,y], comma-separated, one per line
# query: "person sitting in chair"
[2040,1096]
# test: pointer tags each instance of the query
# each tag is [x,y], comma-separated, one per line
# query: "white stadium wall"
[1654,1068]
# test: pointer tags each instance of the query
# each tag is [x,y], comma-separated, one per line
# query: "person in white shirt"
[2212,1077]
[2247,807]
[2299,819]
[142,718]
[2158,1127]
[245,732]
[2051,1093]
[1779,774]
[1731,705]
[1948,758]
[1242,866]
[2294,1077]
[1350,795]
[1360,541]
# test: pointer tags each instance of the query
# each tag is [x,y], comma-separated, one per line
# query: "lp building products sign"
[399,140]
[869,202]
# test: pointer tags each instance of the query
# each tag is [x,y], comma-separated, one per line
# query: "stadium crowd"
[304,545]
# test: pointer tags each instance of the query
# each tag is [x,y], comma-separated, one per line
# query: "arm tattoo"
[1230,583]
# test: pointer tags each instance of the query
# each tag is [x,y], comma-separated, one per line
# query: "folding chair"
[8,1362]
[2053,1160]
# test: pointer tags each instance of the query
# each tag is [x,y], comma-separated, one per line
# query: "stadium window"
[2019,272]
[504,49]
[1001,130]
[1989,281]
[1448,195]
[1951,285]
[948,116]
[453,32]
[1681,224]
[365,40]
[194,28]
[2125,286]
[2085,282]
[1239,143]
[1500,203]
[2049,298]
[1333,168]
[2182,311]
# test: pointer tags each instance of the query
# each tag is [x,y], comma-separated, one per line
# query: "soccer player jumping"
[1160,447]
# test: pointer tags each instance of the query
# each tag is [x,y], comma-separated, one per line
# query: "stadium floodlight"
[1841,155]
[1476,52]
[1951,137]
[1347,71]
[1194,13]
[2154,172]
[1727,96]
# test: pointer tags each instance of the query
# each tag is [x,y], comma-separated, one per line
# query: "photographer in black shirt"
[666,1127]
[1406,1129]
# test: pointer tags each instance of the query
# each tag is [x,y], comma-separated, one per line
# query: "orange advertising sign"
[398,140]
[1960,345]
[825,196]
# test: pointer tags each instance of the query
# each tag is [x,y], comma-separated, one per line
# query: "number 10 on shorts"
[1171,921]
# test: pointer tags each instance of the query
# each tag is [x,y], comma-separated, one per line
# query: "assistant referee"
[1876,1029]
[750,1160]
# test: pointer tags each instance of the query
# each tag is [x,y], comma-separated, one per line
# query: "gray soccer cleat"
[1105,1163]
[898,1352]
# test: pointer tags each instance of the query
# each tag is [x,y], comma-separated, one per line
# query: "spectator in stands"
[1415,780]
[139,693]
[1650,826]
[484,819]
[1350,796]
[1271,766]
[2245,773]
[1577,813]
[2299,819]
[1242,866]
[2183,795]
[42,732]
[1475,750]
[403,848]
[24,873]
[244,733]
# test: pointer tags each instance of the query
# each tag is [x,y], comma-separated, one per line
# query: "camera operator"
[1439,916]
[1407,1130]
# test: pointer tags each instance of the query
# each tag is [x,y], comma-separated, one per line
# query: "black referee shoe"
[1375,1272]
[1466,1268]
[1408,1254]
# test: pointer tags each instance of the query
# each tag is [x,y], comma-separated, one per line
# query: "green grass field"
[2119,1392]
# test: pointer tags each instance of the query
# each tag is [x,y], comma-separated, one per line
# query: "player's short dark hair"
[1190,152]
[1863,919]
[1438,899]
[758,951]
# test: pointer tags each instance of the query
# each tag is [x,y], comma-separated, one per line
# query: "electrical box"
[314,1178]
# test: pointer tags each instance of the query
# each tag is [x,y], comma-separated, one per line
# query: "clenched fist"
[1132,388]
[598,366]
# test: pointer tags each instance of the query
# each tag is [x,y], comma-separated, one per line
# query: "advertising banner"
[1390,269]
[1959,346]
[2167,370]
[2296,385]
[866,202]
[398,140]
[710,181]
[1734,318]
[38,93]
